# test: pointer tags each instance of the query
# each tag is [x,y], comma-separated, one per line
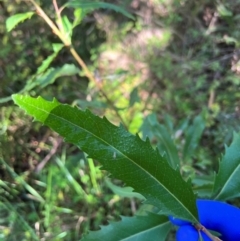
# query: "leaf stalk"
[200,227]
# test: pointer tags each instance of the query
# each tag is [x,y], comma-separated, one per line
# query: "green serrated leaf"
[50,76]
[138,228]
[14,20]
[203,180]
[204,191]
[54,73]
[227,181]
[89,6]
[46,63]
[125,156]
[44,79]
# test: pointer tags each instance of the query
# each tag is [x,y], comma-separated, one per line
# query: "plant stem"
[200,227]
[74,53]
[59,23]
[93,175]
[49,22]
[91,78]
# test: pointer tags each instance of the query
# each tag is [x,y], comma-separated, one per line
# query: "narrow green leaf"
[141,228]
[134,97]
[21,180]
[78,16]
[227,181]
[65,70]
[5,99]
[193,135]
[67,28]
[67,25]
[167,144]
[46,63]
[89,5]
[153,129]
[76,186]
[20,221]
[50,76]
[168,122]
[14,20]
[125,156]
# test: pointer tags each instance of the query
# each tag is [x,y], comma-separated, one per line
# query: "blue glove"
[213,215]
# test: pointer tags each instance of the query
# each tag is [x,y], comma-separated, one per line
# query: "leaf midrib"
[145,230]
[228,180]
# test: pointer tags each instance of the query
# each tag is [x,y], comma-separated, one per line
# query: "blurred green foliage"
[174,66]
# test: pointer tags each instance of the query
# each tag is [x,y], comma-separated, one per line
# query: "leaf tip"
[148,140]
[55,101]
[16,97]
[121,126]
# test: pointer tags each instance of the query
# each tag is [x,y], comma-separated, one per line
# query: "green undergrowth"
[155,176]
[168,71]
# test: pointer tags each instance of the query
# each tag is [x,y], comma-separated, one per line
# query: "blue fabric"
[213,215]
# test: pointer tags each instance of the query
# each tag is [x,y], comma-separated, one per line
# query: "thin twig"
[211,99]
[59,23]
[41,165]
[49,22]
[75,55]
[200,227]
